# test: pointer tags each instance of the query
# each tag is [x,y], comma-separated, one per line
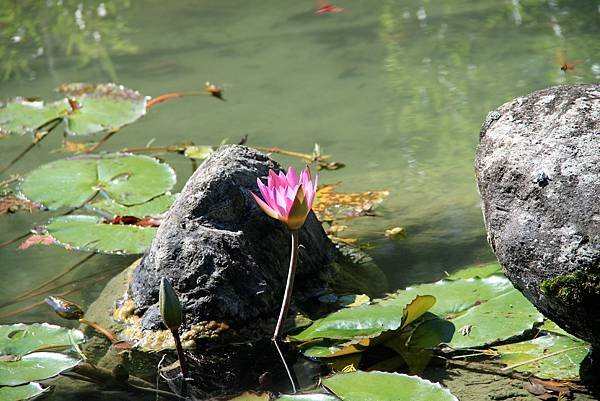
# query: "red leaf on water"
[37,239]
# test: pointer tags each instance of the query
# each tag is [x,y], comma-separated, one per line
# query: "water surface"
[397,90]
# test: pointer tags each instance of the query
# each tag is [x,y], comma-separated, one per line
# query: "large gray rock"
[226,258]
[538,172]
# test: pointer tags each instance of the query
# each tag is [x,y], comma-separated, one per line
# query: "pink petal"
[265,208]
[292,177]
[264,191]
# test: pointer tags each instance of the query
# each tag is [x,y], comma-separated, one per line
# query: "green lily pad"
[251,396]
[480,271]
[368,320]
[381,386]
[483,310]
[563,365]
[499,318]
[153,207]
[21,339]
[20,393]
[36,366]
[127,179]
[416,345]
[308,397]
[103,107]
[20,116]
[88,233]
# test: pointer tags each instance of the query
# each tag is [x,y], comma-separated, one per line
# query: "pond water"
[396,90]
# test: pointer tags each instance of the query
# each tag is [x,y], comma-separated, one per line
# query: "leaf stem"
[105,138]
[171,96]
[100,329]
[287,297]
[37,138]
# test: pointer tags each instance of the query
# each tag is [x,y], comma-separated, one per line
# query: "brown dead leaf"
[331,205]
[12,204]
[75,147]
[36,239]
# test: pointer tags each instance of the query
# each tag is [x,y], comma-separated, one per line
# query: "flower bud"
[170,308]
[65,309]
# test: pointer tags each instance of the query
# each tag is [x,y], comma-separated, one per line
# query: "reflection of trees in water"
[35,33]
[448,64]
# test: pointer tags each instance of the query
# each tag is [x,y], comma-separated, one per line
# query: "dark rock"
[227,259]
[538,172]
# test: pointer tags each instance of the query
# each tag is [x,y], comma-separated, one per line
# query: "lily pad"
[483,310]
[36,366]
[21,339]
[21,116]
[127,179]
[481,271]
[102,107]
[368,320]
[24,392]
[564,355]
[308,397]
[153,207]
[381,386]
[88,233]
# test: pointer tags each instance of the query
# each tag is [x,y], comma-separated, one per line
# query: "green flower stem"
[287,297]
[182,362]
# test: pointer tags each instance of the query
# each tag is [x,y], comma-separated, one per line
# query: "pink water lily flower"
[287,197]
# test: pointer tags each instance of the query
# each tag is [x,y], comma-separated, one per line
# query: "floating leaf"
[481,271]
[395,233]
[21,339]
[568,353]
[308,397]
[198,152]
[153,207]
[87,233]
[483,310]
[20,116]
[20,393]
[368,320]
[127,179]
[36,239]
[416,345]
[102,107]
[36,366]
[251,396]
[380,386]
[331,205]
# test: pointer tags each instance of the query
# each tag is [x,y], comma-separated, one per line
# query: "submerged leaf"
[88,233]
[331,205]
[564,355]
[380,386]
[20,339]
[21,116]
[34,367]
[127,179]
[102,107]
[20,393]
